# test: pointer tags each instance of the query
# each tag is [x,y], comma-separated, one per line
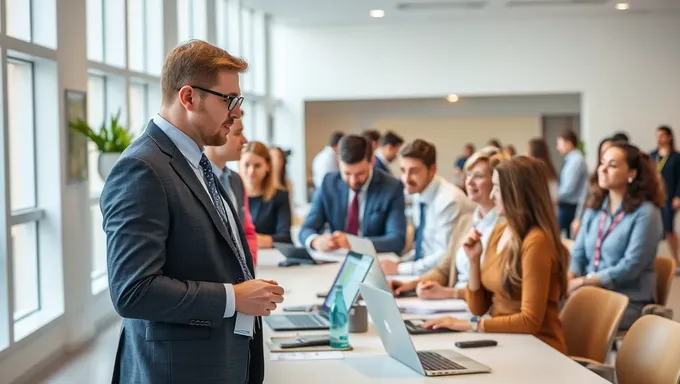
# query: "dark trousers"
[566,213]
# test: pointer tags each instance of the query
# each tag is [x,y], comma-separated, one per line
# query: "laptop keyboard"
[433,361]
[306,321]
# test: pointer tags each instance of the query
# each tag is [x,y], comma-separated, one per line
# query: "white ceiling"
[354,12]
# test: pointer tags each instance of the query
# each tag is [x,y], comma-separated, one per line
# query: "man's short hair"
[335,138]
[421,150]
[198,63]
[391,138]
[570,136]
[354,149]
[371,135]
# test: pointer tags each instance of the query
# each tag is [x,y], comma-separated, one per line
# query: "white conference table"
[518,359]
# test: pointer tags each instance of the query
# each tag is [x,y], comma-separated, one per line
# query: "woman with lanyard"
[621,230]
[668,166]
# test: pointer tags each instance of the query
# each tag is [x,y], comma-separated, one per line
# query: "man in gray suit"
[180,269]
[231,181]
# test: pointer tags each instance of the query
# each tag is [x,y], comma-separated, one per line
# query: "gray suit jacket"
[168,257]
[233,180]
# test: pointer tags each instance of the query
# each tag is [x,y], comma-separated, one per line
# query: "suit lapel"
[343,204]
[371,195]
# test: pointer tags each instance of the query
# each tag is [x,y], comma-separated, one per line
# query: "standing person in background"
[232,182]
[387,152]
[538,149]
[459,166]
[326,161]
[373,137]
[269,205]
[667,162]
[573,183]
[495,143]
[524,274]
[593,186]
[510,151]
[179,266]
[442,214]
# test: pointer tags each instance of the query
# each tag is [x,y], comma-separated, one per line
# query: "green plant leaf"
[114,138]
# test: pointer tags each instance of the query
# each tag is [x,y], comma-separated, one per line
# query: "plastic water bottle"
[339,316]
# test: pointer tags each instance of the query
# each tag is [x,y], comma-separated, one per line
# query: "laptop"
[352,272]
[297,255]
[397,342]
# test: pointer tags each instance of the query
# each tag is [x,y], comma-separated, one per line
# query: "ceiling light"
[622,6]
[452,98]
[377,13]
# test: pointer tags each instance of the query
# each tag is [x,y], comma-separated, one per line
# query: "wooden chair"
[590,319]
[648,354]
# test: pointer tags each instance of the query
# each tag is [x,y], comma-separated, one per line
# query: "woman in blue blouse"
[668,165]
[621,230]
[269,205]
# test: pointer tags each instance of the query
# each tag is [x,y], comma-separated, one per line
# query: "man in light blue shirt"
[573,183]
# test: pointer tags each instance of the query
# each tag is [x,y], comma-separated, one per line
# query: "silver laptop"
[397,342]
[352,272]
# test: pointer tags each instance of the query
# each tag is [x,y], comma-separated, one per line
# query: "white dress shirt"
[448,217]
[324,162]
[192,153]
[362,205]
[485,225]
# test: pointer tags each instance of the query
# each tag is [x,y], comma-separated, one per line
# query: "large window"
[192,20]
[32,20]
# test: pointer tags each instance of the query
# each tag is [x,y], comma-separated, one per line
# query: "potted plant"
[110,140]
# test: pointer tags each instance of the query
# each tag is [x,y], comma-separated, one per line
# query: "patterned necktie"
[353,215]
[419,232]
[209,178]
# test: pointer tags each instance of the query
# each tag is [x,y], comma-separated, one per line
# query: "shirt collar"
[382,158]
[217,170]
[605,207]
[477,215]
[430,191]
[191,151]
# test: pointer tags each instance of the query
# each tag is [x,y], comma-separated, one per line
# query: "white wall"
[625,68]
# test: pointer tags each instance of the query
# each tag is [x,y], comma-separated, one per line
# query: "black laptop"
[297,255]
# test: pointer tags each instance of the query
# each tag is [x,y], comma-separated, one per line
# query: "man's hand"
[389,267]
[432,290]
[341,240]
[676,203]
[324,243]
[574,284]
[257,297]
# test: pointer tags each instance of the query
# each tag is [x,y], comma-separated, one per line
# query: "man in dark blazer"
[387,152]
[231,181]
[180,269]
[356,200]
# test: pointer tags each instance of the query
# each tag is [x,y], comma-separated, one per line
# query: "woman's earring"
[630,180]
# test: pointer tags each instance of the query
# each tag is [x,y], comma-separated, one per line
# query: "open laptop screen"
[352,272]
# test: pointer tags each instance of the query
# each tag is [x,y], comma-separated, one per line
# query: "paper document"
[287,356]
[425,307]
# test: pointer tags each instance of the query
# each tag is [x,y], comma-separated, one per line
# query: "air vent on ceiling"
[442,5]
[547,3]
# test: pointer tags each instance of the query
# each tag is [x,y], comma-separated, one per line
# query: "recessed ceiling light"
[622,6]
[452,98]
[377,13]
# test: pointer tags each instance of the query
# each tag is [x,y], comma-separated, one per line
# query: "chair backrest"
[590,319]
[665,272]
[648,353]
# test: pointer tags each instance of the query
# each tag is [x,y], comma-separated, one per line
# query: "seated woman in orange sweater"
[524,275]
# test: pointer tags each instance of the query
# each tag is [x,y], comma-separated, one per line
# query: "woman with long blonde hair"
[269,205]
[524,275]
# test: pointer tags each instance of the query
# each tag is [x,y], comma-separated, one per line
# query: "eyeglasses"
[231,100]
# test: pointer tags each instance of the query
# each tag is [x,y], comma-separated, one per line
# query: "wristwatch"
[474,320]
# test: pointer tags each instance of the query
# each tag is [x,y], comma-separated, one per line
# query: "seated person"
[442,213]
[624,216]
[269,205]
[449,279]
[232,182]
[524,275]
[358,201]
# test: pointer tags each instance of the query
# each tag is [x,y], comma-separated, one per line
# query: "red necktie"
[353,216]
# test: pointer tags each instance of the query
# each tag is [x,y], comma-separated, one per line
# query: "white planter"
[106,162]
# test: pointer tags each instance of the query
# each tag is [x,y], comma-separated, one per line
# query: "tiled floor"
[94,364]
